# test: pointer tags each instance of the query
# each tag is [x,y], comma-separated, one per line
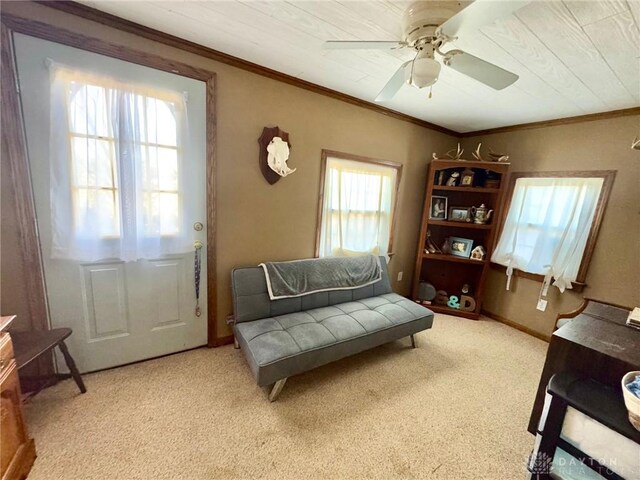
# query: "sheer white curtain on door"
[117,170]
[357,208]
[547,227]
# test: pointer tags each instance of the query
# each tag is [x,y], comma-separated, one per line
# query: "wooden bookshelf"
[449,272]
[452,258]
[444,188]
[445,223]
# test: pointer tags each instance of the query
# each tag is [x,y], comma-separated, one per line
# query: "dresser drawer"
[6,351]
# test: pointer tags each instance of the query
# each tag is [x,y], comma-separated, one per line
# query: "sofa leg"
[277,388]
[236,345]
[413,341]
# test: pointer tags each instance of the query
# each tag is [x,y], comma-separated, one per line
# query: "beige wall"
[257,221]
[614,274]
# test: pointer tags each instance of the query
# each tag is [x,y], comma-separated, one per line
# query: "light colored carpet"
[455,408]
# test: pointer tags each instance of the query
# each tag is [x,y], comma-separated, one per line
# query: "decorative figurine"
[431,247]
[446,247]
[467,303]
[478,253]
[441,297]
[426,291]
[453,179]
[481,214]
[453,302]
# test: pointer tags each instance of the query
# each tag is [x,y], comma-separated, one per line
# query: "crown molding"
[627,112]
[128,26]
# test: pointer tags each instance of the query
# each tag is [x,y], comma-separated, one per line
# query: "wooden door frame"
[13,137]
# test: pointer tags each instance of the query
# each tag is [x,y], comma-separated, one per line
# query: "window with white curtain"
[357,207]
[116,172]
[549,224]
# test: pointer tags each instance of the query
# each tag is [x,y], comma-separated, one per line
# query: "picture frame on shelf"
[438,210]
[459,214]
[466,178]
[460,247]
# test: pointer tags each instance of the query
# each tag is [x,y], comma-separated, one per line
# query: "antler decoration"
[457,155]
[635,145]
[498,157]
[477,155]
[453,156]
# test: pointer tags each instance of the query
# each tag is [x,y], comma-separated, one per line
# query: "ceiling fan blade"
[361,45]
[393,85]
[481,70]
[480,13]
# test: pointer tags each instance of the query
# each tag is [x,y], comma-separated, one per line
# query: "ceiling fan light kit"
[429,26]
[424,70]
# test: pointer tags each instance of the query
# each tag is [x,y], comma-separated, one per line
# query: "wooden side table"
[29,346]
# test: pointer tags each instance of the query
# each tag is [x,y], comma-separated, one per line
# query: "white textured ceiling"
[573,57]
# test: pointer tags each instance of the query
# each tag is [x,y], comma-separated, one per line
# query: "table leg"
[72,367]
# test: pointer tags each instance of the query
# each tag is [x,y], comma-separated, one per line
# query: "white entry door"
[116,228]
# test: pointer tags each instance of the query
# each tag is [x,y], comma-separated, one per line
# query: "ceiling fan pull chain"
[430,91]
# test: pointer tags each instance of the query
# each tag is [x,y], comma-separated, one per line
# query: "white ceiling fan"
[427,27]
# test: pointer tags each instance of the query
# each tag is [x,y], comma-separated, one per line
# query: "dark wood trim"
[211,169]
[607,175]
[356,158]
[573,313]
[517,326]
[226,340]
[192,47]
[47,32]
[578,287]
[16,163]
[603,199]
[626,112]
[122,24]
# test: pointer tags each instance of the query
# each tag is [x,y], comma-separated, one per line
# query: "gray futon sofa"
[281,338]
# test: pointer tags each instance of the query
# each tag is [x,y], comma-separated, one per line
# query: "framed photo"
[460,214]
[460,247]
[466,179]
[438,209]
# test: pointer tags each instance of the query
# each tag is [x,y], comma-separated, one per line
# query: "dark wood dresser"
[17,450]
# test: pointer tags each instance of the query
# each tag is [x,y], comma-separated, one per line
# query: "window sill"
[578,287]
